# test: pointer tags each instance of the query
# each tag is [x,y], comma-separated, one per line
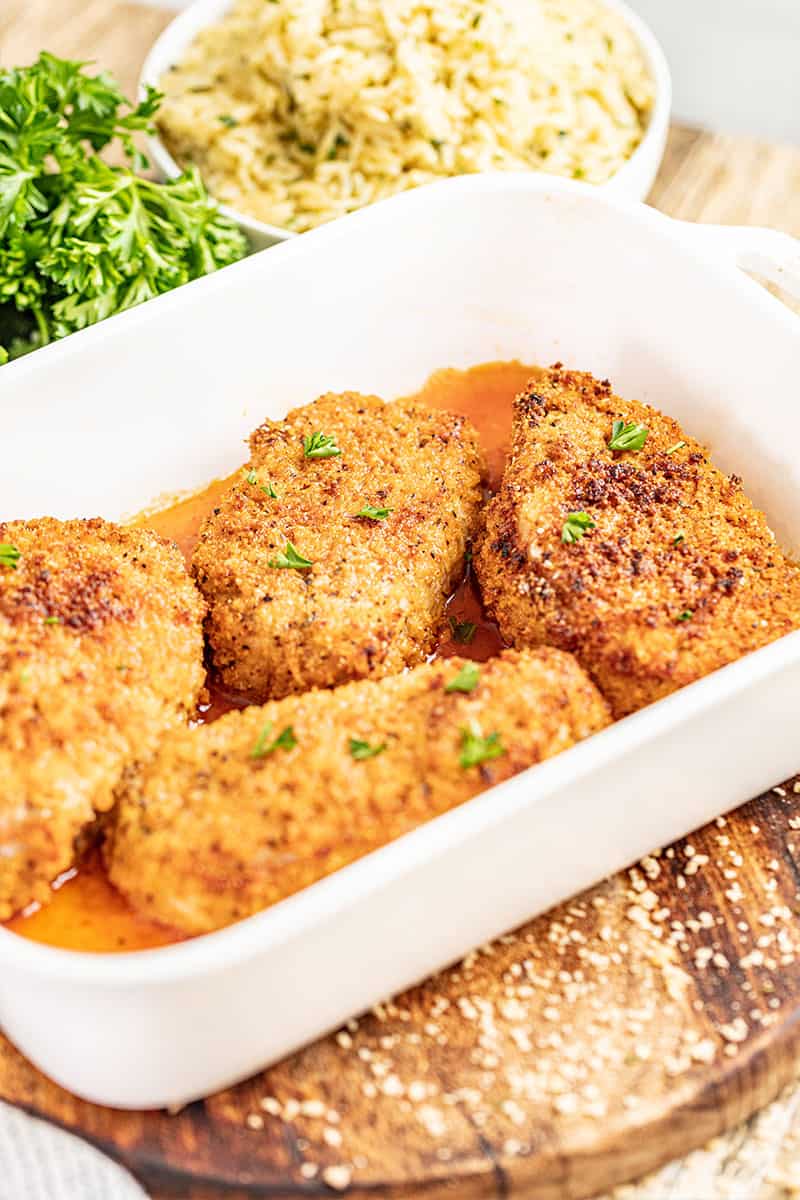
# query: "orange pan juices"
[86,912]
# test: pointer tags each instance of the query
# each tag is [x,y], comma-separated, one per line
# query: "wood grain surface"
[609,1036]
[602,1039]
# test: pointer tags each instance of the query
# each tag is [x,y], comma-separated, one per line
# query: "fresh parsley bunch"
[81,239]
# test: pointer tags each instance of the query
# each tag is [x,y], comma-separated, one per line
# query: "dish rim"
[233,945]
[696,240]
[633,179]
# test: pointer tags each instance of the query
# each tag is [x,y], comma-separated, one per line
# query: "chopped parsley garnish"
[290,559]
[363,750]
[9,555]
[686,615]
[252,478]
[466,680]
[338,143]
[321,445]
[627,435]
[575,527]
[227,120]
[284,741]
[677,446]
[463,631]
[52,621]
[676,541]
[476,749]
[374,514]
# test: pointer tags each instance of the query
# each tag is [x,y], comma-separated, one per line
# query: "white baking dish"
[159,399]
[634,179]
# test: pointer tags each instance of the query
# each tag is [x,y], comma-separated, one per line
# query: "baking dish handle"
[767,253]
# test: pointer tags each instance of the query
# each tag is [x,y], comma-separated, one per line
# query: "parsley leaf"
[284,741]
[9,555]
[81,239]
[340,142]
[627,435]
[463,631]
[466,680]
[686,615]
[363,750]
[374,514]
[679,537]
[227,120]
[252,478]
[575,527]
[291,559]
[321,445]
[476,749]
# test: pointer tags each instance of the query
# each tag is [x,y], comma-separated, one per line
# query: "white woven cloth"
[40,1162]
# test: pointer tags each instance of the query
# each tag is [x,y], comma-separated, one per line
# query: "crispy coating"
[680,575]
[100,649]
[373,602]
[207,834]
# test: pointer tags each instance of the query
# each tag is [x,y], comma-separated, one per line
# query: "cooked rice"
[298,111]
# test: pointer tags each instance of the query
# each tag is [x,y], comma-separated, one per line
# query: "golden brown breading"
[373,601]
[207,833]
[100,649]
[680,575]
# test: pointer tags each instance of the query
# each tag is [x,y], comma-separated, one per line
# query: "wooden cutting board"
[617,1032]
[612,1034]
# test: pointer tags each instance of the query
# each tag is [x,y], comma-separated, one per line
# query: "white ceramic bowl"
[634,179]
[161,398]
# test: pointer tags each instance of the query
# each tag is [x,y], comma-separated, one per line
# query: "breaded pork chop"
[665,572]
[231,817]
[380,515]
[100,649]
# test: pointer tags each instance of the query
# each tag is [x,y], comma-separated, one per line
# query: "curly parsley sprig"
[81,239]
